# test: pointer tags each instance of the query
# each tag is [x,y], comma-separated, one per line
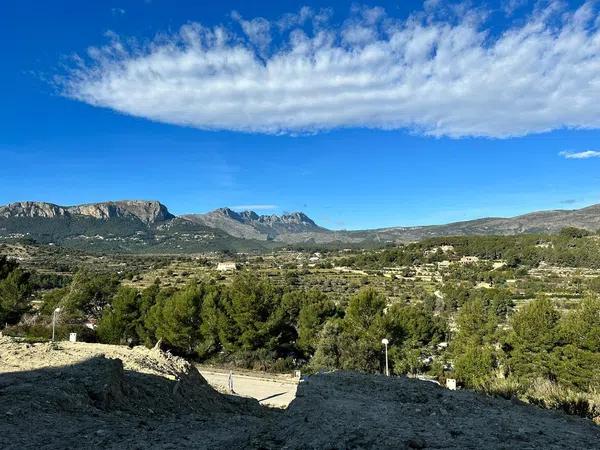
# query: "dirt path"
[270,391]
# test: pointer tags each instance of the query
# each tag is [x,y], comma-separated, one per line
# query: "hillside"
[536,222]
[249,225]
[76,395]
[124,226]
[148,226]
[298,228]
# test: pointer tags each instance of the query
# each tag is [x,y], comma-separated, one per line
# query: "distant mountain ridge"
[249,225]
[148,226]
[148,212]
[551,221]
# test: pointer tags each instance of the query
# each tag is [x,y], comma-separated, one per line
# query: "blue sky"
[357,139]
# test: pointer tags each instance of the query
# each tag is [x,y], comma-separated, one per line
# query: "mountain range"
[148,226]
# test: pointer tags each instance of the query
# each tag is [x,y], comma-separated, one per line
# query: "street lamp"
[385,342]
[56,311]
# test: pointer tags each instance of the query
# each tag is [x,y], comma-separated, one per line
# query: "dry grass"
[546,394]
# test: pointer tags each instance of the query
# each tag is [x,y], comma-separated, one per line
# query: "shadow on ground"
[97,404]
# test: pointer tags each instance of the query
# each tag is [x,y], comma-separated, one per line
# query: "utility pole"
[56,311]
[385,342]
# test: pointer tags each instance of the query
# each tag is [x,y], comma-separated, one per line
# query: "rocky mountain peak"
[227,212]
[297,217]
[294,218]
[249,215]
[32,209]
[148,212]
[250,225]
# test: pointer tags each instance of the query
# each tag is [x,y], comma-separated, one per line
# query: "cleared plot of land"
[276,391]
[74,395]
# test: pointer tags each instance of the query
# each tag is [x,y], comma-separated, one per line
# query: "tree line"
[253,323]
[571,247]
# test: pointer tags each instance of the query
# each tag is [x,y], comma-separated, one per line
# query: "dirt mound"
[18,356]
[349,410]
[97,383]
[75,395]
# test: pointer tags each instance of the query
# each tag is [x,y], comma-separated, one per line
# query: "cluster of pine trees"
[538,354]
[254,323]
[15,290]
[248,321]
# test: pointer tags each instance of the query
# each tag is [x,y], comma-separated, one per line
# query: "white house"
[469,259]
[226,266]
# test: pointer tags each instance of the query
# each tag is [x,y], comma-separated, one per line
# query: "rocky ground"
[349,410]
[76,395]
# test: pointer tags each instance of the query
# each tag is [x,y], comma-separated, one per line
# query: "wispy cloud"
[258,30]
[510,6]
[581,155]
[441,72]
[259,207]
[117,11]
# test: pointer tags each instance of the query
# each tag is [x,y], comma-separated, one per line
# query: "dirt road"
[276,390]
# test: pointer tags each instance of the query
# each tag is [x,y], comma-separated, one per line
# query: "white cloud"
[431,73]
[257,30]
[581,155]
[117,11]
[259,207]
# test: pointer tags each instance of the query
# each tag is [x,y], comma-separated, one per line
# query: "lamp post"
[56,311]
[385,342]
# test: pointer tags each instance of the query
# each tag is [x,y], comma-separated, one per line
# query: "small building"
[469,259]
[227,266]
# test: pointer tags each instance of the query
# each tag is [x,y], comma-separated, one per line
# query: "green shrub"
[474,364]
[502,387]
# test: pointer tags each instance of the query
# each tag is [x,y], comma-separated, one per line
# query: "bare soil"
[77,395]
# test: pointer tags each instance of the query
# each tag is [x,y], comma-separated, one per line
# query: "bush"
[261,360]
[474,364]
[43,332]
[548,394]
[574,232]
[502,387]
